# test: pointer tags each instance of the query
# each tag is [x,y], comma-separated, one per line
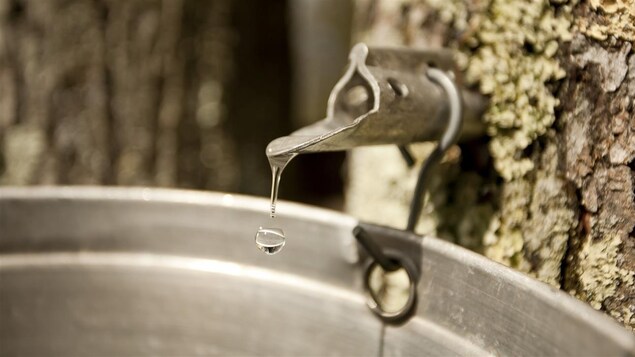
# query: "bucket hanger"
[449,137]
[393,262]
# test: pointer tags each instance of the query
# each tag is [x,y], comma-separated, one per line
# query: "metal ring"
[403,314]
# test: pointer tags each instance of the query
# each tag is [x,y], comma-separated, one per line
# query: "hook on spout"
[377,254]
[451,134]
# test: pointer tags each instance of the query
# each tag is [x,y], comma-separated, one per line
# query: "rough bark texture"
[139,92]
[551,193]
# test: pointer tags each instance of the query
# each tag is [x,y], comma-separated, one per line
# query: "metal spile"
[384,97]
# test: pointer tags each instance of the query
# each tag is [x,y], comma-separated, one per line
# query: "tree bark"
[139,92]
[551,191]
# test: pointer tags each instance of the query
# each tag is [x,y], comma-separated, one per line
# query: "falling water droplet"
[270,240]
[277,163]
[275,183]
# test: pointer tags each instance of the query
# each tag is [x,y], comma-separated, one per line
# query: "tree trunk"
[139,92]
[551,191]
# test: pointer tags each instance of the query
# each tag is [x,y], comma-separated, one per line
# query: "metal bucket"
[110,271]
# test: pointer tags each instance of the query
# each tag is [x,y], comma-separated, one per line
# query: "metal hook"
[449,137]
[391,260]
[390,250]
[374,250]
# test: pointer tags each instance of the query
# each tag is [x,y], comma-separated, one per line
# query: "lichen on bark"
[598,140]
[609,18]
[510,54]
[511,59]
[561,133]
[599,271]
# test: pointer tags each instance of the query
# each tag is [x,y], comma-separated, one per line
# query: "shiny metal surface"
[385,97]
[503,312]
[111,271]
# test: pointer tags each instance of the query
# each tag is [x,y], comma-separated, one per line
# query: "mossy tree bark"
[551,190]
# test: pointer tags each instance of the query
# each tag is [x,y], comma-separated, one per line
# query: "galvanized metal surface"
[384,97]
[105,271]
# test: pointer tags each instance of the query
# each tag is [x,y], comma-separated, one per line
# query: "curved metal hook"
[390,250]
[449,137]
[387,259]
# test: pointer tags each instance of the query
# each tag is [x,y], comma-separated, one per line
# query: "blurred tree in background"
[147,92]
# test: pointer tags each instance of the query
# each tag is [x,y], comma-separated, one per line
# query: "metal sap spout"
[384,97]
